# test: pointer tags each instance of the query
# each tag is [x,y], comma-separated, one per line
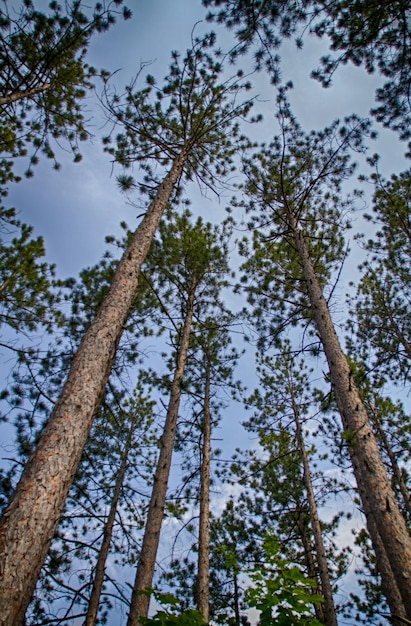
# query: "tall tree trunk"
[203,576]
[322,565]
[377,496]
[105,546]
[145,569]
[28,524]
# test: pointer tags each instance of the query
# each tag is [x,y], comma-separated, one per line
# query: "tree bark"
[94,602]
[377,496]
[140,599]
[321,560]
[27,93]
[28,524]
[203,576]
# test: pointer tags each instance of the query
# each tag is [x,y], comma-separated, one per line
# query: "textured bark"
[27,93]
[328,609]
[146,564]
[28,524]
[203,576]
[377,496]
[94,602]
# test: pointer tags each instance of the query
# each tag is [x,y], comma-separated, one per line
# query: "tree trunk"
[377,496]
[140,599]
[105,546]
[203,576]
[28,524]
[322,565]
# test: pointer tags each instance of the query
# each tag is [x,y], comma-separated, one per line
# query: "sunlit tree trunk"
[28,524]
[145,569]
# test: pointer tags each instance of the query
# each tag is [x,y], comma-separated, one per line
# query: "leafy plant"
[171,615]
[281,591]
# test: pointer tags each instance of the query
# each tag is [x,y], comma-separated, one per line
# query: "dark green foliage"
[296,183]
[383,312]
[376,35]
[27,298]
[44,76]
[192,111]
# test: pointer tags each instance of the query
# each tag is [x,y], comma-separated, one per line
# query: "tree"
[140,411]
[382,300]
[27,297]
[293,190]
[190,264]
[44,75]
[286,399]
[193,134]
[372,34]
[68,573]
[210,372]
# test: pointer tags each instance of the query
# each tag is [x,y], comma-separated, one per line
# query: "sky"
[75,209]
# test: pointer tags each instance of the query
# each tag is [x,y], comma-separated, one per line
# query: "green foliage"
[382,306]
[171,616]
[27,298]
[281,591]
[44,76]
[294,189]
[194,112]
[376,35]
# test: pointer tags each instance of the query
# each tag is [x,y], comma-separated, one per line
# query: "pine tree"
[140,410]
[190,266]
[44,75]
[294,187]
[192,133]
[286,397]
[372,34]
[210,372]
[69,568]
[382,306]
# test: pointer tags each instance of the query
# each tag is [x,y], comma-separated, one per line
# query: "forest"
[205,417]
